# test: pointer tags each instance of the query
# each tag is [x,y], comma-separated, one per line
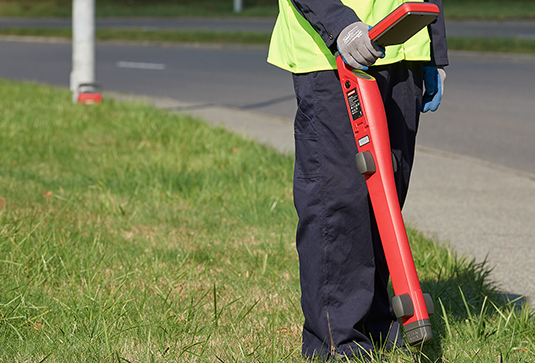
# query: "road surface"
[474,182]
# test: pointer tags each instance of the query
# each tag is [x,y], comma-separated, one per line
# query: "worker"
[342,267]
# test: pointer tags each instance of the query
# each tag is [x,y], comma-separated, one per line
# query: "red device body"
[375,162]
[402,23]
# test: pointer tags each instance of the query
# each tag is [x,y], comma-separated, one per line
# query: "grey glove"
[356,47]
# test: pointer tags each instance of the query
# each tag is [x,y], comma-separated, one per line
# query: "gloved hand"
[356,47]
[434,87]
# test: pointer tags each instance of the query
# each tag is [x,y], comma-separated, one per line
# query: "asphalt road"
[482,200]
[487,112]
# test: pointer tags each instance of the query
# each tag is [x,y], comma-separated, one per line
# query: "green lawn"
[459,9]
[454,9]
[489,9]
[137,35]
[166,8]
[504,45]
[128,234]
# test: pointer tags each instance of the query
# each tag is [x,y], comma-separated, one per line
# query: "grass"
[174,36]
[458,9]
[128,234]
[161,8]
[500,45]
[454,9]
[503,45]
[489,9]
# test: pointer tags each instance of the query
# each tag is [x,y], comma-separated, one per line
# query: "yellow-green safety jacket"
[297,47]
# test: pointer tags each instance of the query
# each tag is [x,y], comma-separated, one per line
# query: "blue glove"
[434,88]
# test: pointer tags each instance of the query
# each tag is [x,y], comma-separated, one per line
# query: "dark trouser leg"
[342,267]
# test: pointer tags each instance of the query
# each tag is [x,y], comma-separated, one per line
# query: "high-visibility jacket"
[297,47]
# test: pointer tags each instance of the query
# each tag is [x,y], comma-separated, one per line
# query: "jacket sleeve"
[328,17]
[437,32]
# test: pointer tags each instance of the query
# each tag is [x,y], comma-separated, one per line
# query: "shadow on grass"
[465,299]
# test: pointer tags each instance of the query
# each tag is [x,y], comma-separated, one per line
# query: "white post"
[238,6]
[83,45]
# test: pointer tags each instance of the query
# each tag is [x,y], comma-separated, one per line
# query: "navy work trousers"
[343,271]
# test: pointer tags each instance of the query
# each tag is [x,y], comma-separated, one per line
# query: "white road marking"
[141,65]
